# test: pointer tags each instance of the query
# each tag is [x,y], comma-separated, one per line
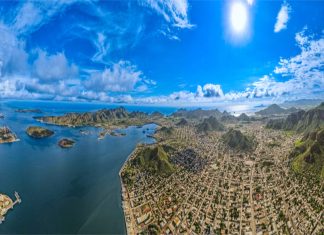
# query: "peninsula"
[6,203]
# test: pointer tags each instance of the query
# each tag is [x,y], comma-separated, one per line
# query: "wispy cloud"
[33,14]
[282,17]
[173,11]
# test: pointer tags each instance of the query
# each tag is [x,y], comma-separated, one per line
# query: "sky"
[162,52]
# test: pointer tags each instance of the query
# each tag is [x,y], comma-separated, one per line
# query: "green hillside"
[155,160]
[308,155]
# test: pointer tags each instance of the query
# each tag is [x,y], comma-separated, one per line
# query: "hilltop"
[210,124]
[301,121]
[308,155]
[154,159]
[235,139]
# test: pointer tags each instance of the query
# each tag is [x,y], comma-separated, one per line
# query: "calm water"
[73,190]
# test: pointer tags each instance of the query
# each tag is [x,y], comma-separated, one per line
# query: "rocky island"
[66,143]
[7,136]
[38,132]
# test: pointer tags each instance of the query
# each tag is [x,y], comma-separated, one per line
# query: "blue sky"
[162,51]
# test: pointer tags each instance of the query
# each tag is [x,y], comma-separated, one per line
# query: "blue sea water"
[73,190]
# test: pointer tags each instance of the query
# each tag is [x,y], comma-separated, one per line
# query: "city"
[234,193]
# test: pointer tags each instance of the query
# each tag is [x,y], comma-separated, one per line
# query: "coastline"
[128,217]
[124,196]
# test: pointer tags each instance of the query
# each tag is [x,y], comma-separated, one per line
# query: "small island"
[28,111]
[66,143]
[7,136]
[38,132]
[1,116]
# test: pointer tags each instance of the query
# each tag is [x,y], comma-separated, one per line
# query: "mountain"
[92,118]
[157,114]
[243,117]
[210,124]
[301,121]
[155,160]
[238,141]
[308,155]
[273,109]
[197,113]
[182,122]
[227,117]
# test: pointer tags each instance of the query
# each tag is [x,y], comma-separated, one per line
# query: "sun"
[238,17]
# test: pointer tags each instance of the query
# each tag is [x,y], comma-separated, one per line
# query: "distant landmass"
[197,113]
[235,139]
[301,121]
[308,155]
[210,124]
[302,103]
[28,111]
[118,116]
[275,109]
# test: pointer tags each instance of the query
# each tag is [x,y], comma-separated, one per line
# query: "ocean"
[73,190]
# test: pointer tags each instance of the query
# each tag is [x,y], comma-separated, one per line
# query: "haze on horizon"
[162,52]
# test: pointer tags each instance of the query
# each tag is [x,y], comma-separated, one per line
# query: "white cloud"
[54,67]
[173,11]
[250,2]
[305,70]
[282,17]
[120,77]
[212,90]
[13,57]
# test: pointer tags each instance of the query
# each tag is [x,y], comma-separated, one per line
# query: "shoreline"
[124,196]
